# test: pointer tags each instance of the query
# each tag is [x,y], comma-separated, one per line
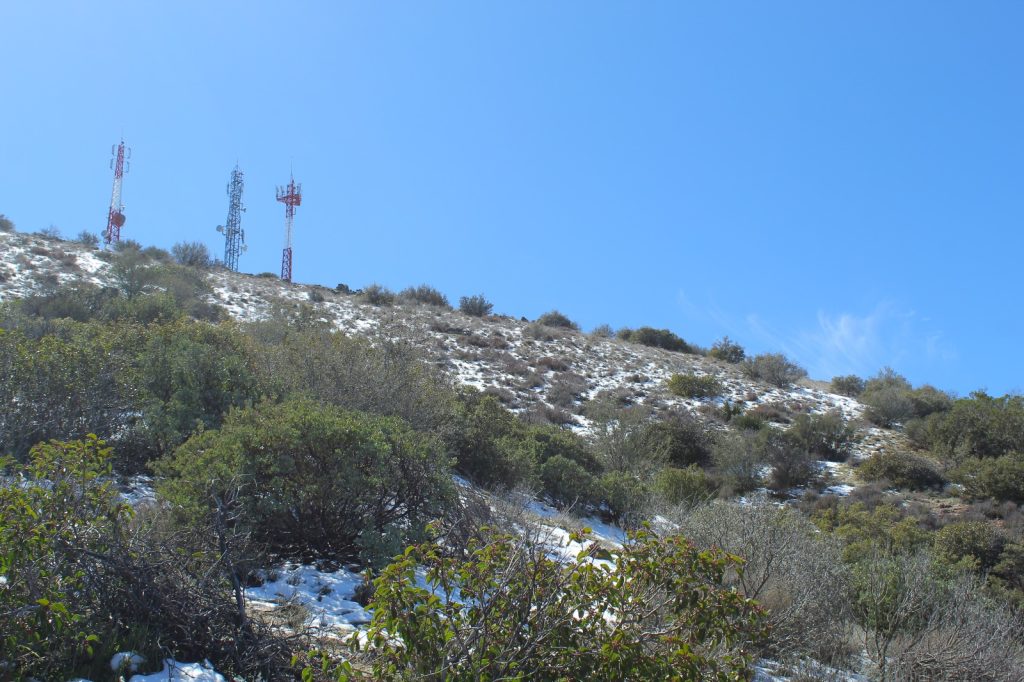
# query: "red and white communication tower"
[115,218]
[290,196]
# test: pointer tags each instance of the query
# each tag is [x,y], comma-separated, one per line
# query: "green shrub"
[748,421]
[727,350]
[75,380]
[902,469]
[887,406]
[625,496]
[602,331]
[556,319]
[890,400]
[425,294]
[773,368]
[977,541]
[979,426]
[90,239]
[487,441]
[694,386]
[192,254]
[738,461]
[660,611]
[476,306]
[689,486]
[687,439]
[6,225]
[377,295]
[999,478]
[658,338]
[826,435]
[62,510]
[308,478]
[929,400]
[849,385]
[566,482]
[791,464]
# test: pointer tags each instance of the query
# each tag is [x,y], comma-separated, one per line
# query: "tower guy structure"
[234,236]
[290,196]
[115,218]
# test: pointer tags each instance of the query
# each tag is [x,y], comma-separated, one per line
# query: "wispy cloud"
[843,343]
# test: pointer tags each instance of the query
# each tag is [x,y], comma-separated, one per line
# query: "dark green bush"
[977,541]
[377,295]
[85,576]
[6,225]
[487,443]
[626,497]
[687,439]
[556,319]
[887,406]
[792,465]
[891,400]
[979,426]
[694,386]
[76,379]
[659,338]
[505,610]
[566,482]
[773,368]
[476,306]
[849,385]
[903,470]
[826,435]
[425,294]
[999,478]
[727,350]
[689,486]
[306,478]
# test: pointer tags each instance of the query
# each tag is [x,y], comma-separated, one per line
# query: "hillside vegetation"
[865,526]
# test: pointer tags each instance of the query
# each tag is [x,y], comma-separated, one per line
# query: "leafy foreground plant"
[655,609]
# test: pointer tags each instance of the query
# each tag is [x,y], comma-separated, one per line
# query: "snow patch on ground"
[326,595]
[175,671]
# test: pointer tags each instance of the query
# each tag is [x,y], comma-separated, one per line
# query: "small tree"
[849,385]
[727,350]
[694,386]
[378,295]
[194,254]
[774,368]
[6,225]
[658,610]
[90,239]
[426,295]
[556,319]
[477,305]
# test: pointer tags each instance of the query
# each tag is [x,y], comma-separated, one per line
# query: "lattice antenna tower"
[234,235]
[115,217]
[290,196]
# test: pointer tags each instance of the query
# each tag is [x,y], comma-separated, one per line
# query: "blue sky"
[843,182]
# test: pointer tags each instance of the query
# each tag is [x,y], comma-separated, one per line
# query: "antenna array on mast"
[115,217]
[290,196]
[234,236]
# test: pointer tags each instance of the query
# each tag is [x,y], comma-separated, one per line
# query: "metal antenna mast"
[290,196]
[234,235]
[115,218]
